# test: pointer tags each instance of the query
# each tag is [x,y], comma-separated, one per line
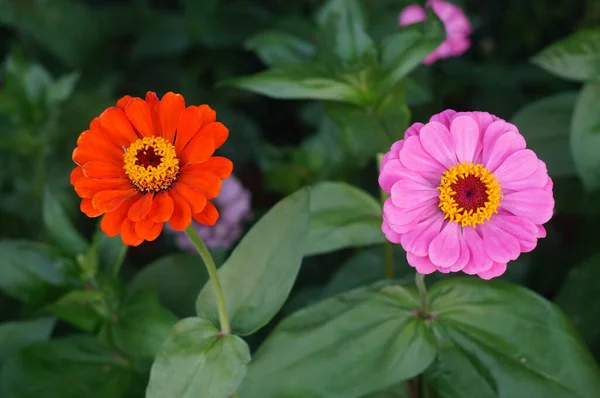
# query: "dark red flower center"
[470,193]
[147,157]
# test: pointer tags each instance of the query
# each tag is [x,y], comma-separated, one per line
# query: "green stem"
[214,277]
[388,254]
[420,282]
[117,265]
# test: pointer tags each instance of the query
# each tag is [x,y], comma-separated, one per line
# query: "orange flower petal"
[140,208]
[220,166]
[138,112]
[99,139]
[76,174]
[128,234]
[208,114]
[217,131]
[86,208]
[103,170]
[121,103]
[88,153]
[170,110]
[162,208]
[198,150]
[154,103]
[207,182]
[189,124]
[148,229]
[208,216]
[195,198]
[111,222]
[117,127]
[87,187]
[182,214]
[110,200]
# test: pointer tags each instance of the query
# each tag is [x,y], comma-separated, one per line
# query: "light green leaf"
[546,125]
[81,308]
[576,57]
[585,136]
[18,334]
[71,367]
[195,360]
[501,340]
[62,89]
[259,274]
[60,228]
[278,49]
[348,346]
[342,216]
[140,325]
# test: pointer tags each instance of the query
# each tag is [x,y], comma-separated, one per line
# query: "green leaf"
[393,115]
[18,334]
[369,335]
[498,339]
[404,50]
[60,227]
[62,89]
[109,250]
[309,81]
[176,278]
[81,308]
[71,367]
[546,125]
[585,136]
[580,299]
[259,274]
[140,325]
[196,359]
[26,268]
[576,57]
[342,216]
[278,49]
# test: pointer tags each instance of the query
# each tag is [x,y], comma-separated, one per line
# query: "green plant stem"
[420,282]
[214,277]
[388,254]
[117,265]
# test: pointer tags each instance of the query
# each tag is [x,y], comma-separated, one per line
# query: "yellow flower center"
[151,164]
[469,194]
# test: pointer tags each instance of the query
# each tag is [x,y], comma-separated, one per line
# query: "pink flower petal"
[541,231]
[521,228]
[444,249]
[479,260]
[437,141]
[408,194]
[496,270]
[415,158]
[403,220]
[491,135]
[536,205]
[422,264]
[506,145]
[444,117]
[465,134]
[538,179]
[517,166]
[417,241]
[499,245]
[414,129]
[411,14]
[390,235]
[465,256]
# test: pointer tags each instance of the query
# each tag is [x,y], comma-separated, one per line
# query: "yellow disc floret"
[469,194]
[151,164]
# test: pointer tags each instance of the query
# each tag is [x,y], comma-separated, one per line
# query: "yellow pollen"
[458,183]
[151,164]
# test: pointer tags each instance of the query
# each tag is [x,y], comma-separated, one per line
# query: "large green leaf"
[176,278]
[84,309]
[585,136]
[140,325]
[26,268]
[259,274]
[60,228]
[576,57]
[71,367]
[348,346]
[342,216]
[278,49]
[196,360]
[546,125]
[501,340]
[18,334]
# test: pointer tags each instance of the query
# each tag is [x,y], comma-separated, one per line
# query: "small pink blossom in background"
[456,23]
[234,205]
[413,215]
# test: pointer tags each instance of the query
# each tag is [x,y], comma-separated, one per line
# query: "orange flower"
[144,163]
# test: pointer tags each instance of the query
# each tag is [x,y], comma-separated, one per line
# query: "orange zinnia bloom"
[144,163]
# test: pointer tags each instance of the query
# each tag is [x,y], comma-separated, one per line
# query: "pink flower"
[465,194]
[456,23]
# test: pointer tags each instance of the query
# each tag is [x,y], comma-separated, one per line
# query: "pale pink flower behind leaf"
[456,24]
[465,194]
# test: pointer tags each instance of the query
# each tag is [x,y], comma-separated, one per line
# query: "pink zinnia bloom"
[456,23]
[465,194]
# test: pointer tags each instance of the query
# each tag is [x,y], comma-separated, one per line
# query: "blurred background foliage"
[64,62]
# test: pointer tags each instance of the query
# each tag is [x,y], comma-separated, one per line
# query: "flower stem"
[214,277]
[420,282]
[388,255]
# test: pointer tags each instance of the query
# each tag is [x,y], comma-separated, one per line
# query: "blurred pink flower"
[456,23]
[465,194]
[234,205]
